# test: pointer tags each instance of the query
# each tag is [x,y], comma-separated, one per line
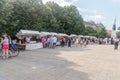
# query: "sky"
[99,11]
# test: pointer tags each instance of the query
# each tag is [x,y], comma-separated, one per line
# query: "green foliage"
[118,28]
[101,33]
[118,34]
[90,31]
[34,15]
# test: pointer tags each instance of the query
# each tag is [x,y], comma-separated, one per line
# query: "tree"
[118,28]
[118,34]
[90,31]
[34,15]
[72,21]
[101,32]
[56,13]
[65,19]
[5,12]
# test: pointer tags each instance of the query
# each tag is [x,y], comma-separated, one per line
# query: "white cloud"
[96,18]
[74,1]
[61,2]
[82,9]
[93,12]
[96,12]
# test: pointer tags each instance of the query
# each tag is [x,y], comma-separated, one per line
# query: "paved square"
[96,62]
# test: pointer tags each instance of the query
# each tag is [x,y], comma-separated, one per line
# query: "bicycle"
[13,51]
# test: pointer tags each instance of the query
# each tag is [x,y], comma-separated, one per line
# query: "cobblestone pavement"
[97,62]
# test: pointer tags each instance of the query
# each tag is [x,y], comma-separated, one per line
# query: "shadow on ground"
[43,64]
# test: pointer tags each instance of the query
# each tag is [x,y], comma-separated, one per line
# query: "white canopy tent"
[53,33]
[28,32]
[73,35]
[62,34]
[44,34]
[87,36]
[32,45]
[80,36]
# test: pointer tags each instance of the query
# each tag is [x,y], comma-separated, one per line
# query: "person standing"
[27,39]
[76,42]
[85,44]
[43,40]
[81,43]
[5,46]
[51,41]
[62,42]
[69,42]
[54,41]
[116,43]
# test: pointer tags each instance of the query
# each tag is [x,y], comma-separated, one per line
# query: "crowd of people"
[52,41]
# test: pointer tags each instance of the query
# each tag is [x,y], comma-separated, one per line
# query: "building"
[93,24]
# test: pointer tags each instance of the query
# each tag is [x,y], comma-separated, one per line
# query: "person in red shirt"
[62,42]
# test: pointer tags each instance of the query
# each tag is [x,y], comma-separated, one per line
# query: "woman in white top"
[76,42]
[27,39]
[5,46]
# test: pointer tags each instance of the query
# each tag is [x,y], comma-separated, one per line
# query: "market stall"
[73,35]
[60,36]
[33,44]
[42,34]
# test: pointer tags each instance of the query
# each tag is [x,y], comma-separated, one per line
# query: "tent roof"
[28,32]
[53,33]
[44,33]
[80,35]
[62,34]
[73,35]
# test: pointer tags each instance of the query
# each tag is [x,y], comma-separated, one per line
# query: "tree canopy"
[101,32]
[34,15]
[90,31]
[118,28]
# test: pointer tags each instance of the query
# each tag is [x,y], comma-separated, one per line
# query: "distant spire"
[114,25]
